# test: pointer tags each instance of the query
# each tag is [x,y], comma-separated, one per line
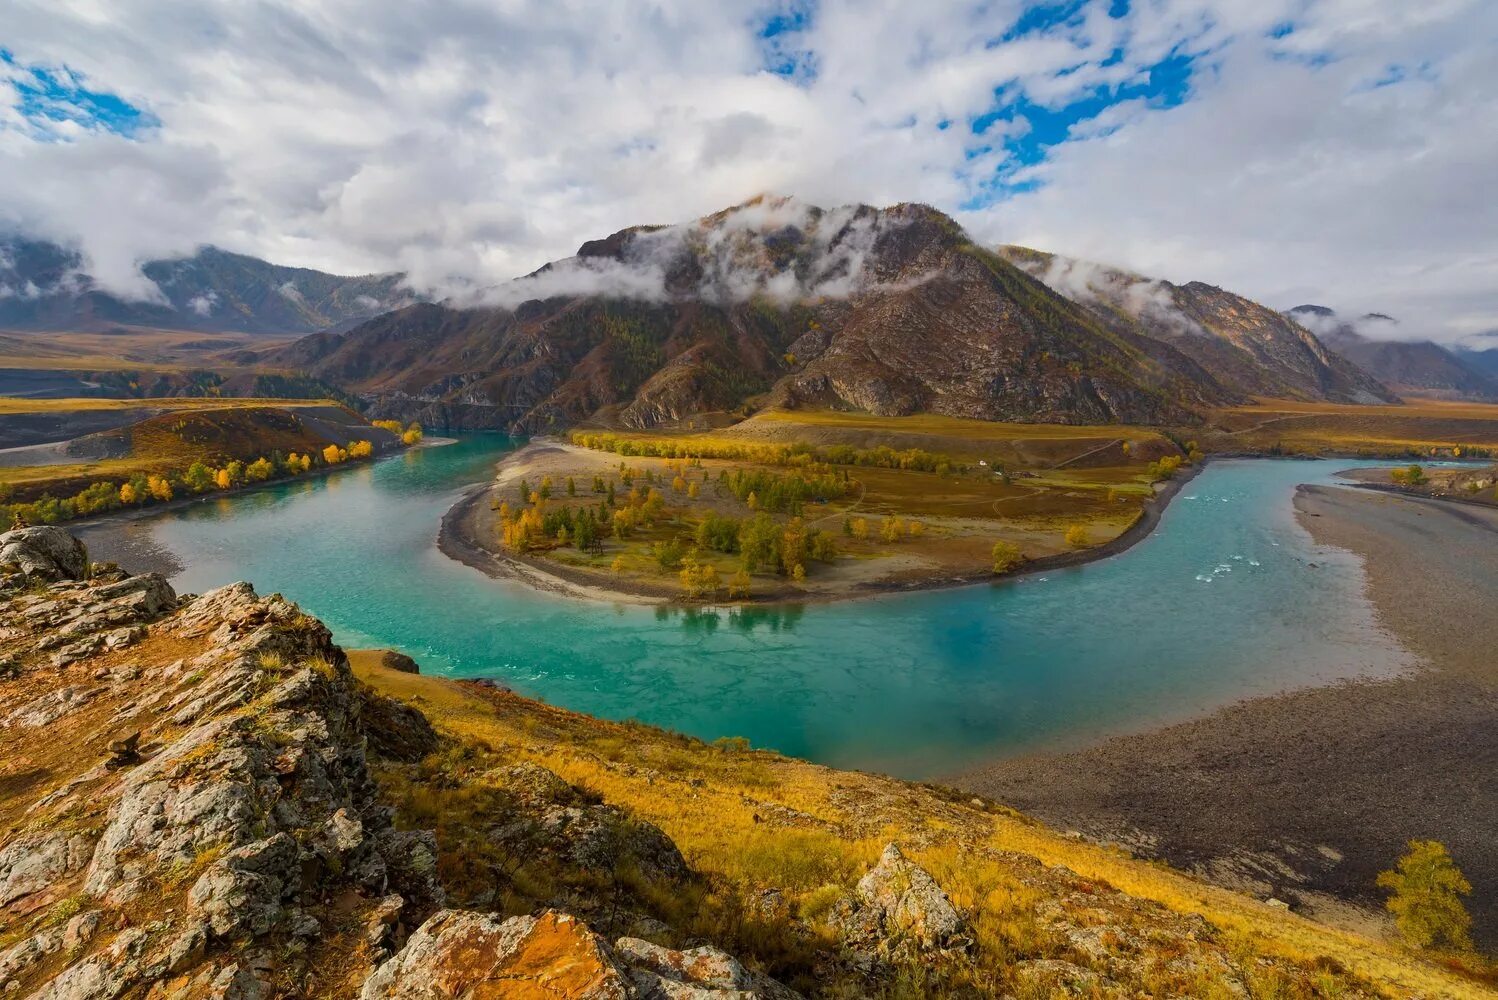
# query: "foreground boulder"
[898,913]
[458,955]
[468,956]
[45,553]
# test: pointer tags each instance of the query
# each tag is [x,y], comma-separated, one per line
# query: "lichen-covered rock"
[603,837]
[458,955]
[701,973]
[46,553]
[34,862]
[898,912]
[242,892]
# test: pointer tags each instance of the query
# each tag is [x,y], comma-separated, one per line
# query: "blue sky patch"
[779,37]
[49,97]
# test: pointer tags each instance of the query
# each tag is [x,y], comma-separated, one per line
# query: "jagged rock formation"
[898,912]
[894,311]
[1408,366]
[44,286]
[1246,349]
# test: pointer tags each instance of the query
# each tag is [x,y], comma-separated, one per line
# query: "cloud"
[1084,281]
[776,248]
[469,143]
[204,304]
[1373,326]
[288,290]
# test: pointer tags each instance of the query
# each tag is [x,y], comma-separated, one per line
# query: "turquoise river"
[1228,599]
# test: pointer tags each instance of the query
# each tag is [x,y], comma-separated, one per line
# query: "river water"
[1229,598]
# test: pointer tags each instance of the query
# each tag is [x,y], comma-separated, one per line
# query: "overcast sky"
[1335,151]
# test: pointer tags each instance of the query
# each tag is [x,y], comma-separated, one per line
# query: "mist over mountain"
[1373,341]
[1247,348]
[44,286]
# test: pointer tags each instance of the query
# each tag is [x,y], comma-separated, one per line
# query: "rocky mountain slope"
[44,286]
[1247,348]
[1418,367]
[199,798]
[893,311]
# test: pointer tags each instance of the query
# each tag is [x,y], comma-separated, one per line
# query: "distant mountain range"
[1417,367]
[44,287]
[891,311]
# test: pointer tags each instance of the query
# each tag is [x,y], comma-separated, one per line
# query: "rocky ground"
[199,799]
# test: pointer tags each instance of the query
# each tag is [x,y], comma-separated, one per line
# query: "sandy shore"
[469,534]
[1307,796]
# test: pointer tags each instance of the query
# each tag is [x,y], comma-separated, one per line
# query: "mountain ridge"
[1411,366]
[1246,347]
[44,286]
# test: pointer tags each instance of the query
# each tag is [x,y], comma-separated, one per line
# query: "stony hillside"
[1247,348]
[46,287]
[200,798]
[892,311]
[1417,367]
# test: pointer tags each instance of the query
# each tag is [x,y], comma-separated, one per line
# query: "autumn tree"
[127,494]
[1006,555]
[859,528]
[1076,536]
[739,584]
[198,478]
[693,491]
[1425,897]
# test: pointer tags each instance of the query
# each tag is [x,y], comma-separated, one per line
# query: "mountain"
[893,311]
[44,286]
[1417,367]
[1248,348]
[1484,359]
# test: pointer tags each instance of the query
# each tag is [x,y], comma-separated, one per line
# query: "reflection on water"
[919,684]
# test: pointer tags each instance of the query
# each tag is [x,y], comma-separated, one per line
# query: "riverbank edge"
[457,539]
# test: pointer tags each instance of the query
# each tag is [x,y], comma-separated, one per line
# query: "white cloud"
[470,142]
[204,304]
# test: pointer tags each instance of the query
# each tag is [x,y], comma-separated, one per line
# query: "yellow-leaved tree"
[1425,889]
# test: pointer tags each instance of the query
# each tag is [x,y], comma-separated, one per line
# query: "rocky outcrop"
[203,764]
[898,913]
[45,553]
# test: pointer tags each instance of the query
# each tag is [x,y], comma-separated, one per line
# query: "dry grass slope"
[1049,912]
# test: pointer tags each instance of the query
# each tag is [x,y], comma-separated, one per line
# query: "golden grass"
[825,827]
[956,427]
